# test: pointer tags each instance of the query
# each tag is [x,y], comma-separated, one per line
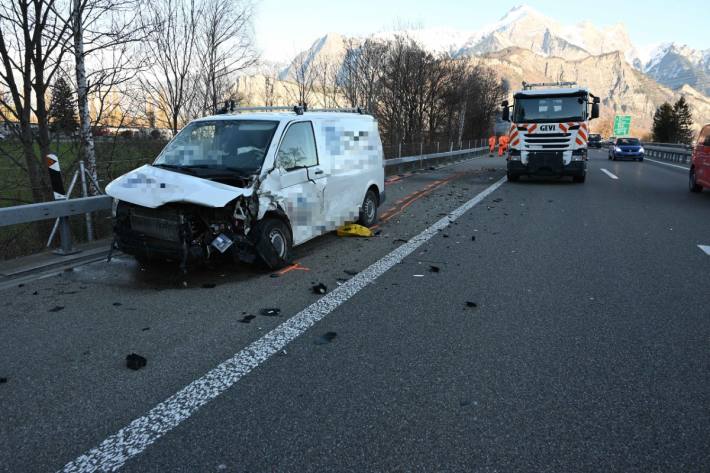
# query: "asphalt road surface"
[541,326]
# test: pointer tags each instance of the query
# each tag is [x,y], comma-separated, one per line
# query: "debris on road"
[400,240]
[434,269]
[473,238]
[354,230]
[135,361]
[3,380]
[56,308]
[117,304]
[471,304]
[275,312]
[319,288]
[350,272]
[145,329]
[326,338]
[247,319]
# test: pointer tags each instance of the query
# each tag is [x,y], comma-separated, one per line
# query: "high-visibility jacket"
[492,143]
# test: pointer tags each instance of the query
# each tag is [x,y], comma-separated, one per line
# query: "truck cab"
[549,130]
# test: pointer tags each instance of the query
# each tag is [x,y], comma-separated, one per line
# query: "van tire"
[368,209]
[273,242]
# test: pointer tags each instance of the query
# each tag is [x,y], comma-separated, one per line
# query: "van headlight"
[114,207]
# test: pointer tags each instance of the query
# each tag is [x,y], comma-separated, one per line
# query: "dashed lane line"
[132,440]
[609,174]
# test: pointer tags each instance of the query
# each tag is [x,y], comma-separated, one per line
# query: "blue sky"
[284,27]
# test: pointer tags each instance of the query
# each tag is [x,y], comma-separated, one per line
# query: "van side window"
[705,136]
[298,148]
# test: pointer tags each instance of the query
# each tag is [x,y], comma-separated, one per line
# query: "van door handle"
[318,171]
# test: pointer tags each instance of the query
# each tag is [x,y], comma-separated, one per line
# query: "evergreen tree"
[684,121]
[664,127]
[62,108]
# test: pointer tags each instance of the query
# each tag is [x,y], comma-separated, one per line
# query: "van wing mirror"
[595,111]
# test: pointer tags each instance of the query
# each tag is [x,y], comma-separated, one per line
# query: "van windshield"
[549,109]
[231,145]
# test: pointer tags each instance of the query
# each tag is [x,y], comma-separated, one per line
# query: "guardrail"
[671,153]
[65,208]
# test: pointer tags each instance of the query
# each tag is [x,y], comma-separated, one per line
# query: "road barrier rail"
[29,213]
[668,152]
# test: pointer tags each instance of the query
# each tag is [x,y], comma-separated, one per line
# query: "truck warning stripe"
[563,128]
[582,134]
[579,142]
[532,128]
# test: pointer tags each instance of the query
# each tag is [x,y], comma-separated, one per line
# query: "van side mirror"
[595,111]
[506,111]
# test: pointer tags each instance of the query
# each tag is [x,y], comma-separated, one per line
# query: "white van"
[251,185]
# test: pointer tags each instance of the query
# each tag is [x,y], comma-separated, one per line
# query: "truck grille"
[160,224]
[547,141]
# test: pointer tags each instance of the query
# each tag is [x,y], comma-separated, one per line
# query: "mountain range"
[527,45]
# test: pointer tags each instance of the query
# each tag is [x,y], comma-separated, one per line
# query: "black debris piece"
[20,285]
[498,200]
[473,238]
[464,402]
[3,380]
[319,288]
[145,329]
[445,235]
[432,168]
[434,269]
[377,232]
[56,308]
[350,272]
[270,312]
[209,285]
[135,362]
[471,304]
[117,304]
[400,240]
[247,319]
[326,338]
[86,353]
[35,293]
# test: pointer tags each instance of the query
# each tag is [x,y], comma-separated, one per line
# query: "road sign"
[622,125]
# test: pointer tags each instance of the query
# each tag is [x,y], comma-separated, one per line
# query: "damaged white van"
[251,185]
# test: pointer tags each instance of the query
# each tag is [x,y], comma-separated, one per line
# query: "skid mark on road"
[144,431]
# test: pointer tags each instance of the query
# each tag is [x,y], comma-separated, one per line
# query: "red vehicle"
[700,165]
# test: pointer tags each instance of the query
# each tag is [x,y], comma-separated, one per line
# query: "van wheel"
[693,183]
[273,243]
[368,210]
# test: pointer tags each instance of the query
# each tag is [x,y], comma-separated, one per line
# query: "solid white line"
[705,248]
[667,164]
[133,439]
[609,174]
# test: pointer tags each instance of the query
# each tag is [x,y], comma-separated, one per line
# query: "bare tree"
[34,38]
[103,30]
[303,75]
[172,45]
[226,47]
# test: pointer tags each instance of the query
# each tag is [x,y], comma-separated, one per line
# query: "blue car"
[626,148]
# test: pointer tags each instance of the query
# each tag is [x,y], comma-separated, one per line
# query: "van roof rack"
[297,109]
[530,86]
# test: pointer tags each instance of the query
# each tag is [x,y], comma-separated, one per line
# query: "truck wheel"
[513,177]
[693,183]
[368,210]
[579,179]
[273,242]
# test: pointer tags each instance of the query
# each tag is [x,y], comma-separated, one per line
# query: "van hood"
[152,187]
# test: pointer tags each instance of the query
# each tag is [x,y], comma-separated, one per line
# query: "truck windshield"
[230,145]
[550,109]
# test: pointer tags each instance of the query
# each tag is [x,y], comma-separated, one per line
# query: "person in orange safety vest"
[492,144]
[502,145]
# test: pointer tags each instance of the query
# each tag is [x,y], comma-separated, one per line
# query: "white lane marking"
[133,439]
[609,174]
[667,164]
[705,248]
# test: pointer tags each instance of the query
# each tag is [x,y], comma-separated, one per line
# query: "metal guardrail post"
[399,153]
[85,193]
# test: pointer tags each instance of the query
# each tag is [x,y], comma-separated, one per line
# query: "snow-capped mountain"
[677,65]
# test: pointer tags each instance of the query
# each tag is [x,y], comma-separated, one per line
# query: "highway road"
[488,326]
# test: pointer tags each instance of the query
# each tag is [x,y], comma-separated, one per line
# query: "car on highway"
[595,140]
[251,186]
[699,175]
[626,148]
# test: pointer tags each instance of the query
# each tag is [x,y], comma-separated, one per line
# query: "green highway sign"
[622,125]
